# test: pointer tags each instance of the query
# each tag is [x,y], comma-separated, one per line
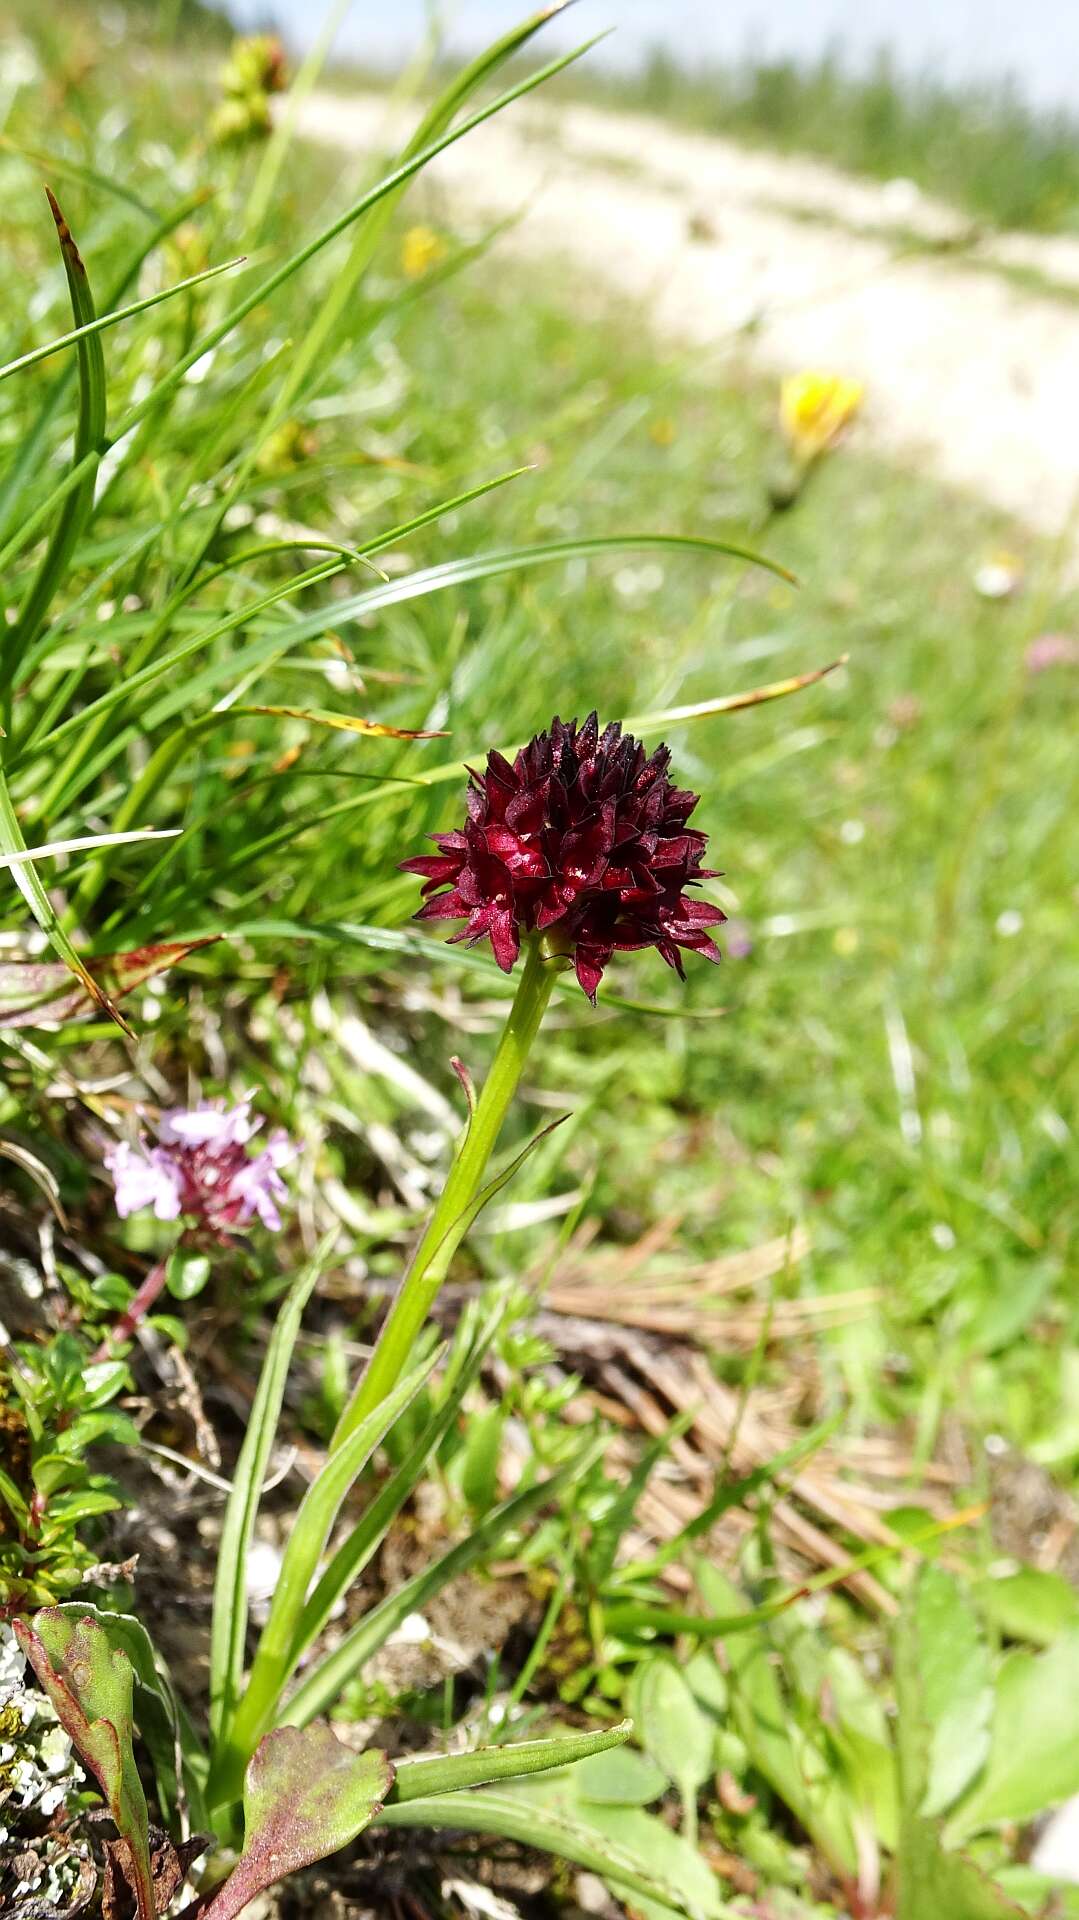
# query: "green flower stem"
[450,1218]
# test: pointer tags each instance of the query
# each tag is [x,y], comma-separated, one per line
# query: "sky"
[1035,43]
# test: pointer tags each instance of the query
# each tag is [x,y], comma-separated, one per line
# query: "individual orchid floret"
[200,1168]
[584,838]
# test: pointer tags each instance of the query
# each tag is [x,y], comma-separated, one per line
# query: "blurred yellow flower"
[814,408]
[421,249]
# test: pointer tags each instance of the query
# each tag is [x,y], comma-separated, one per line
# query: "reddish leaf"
[347,723]
[36,993]
[90,1684]
[169,1867]
[305,1797]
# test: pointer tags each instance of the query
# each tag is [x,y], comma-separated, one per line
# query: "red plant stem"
[136,1312]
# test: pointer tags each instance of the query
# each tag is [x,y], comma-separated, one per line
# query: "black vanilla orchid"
[584,837]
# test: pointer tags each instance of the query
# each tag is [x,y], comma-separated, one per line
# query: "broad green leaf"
[674,1730]
[1033,1759]
[480,1458]
[65,1508]
[305,1797]
[187,1274]
[51,1471]
[797,1765]
[159,1716]
[956,1694]
[684,1877]
[103,1380]
[707,1682]
[621,1778]
[859,1730]
[1029,1604]
[90,1683]
[933,1884]
[1039,1893]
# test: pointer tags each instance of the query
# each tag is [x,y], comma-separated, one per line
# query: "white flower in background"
[999,576]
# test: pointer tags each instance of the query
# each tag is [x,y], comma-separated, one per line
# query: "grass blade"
[85,843]
[25,461]
[355,1551]
[510,1816]
[452,1773]
[450,573]
[25,877]
[274,1660]
[89,437]
[737,702]
[229,1630]
[164,388]
[89,329]
[323,1684]
[397,177]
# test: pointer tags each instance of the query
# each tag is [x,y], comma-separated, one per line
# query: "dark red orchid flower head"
[584,837]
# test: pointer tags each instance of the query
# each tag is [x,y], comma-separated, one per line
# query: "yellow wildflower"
[814,408]
[421,249]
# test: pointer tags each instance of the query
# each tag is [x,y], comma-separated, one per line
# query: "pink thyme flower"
[200,1167]
[1052,650]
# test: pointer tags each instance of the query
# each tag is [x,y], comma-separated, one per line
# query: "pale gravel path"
[966,372]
